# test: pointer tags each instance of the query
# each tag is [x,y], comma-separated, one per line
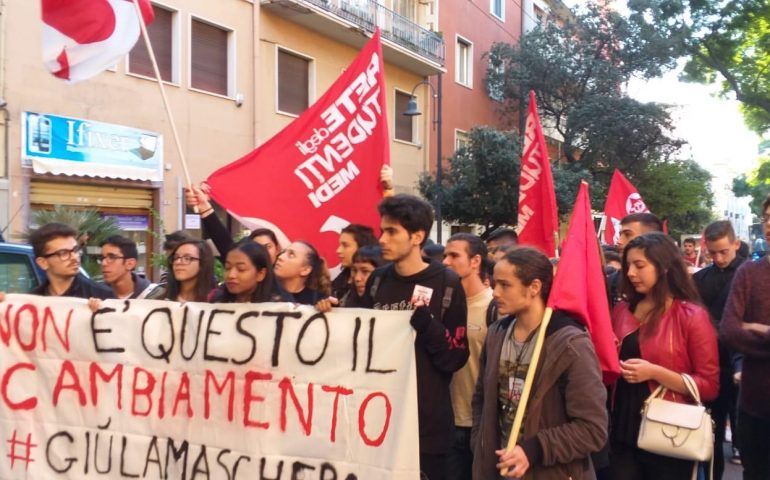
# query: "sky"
[713,127]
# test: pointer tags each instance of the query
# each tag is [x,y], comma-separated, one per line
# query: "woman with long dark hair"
[191,272]
[302,274]
[248,276]
[663,333]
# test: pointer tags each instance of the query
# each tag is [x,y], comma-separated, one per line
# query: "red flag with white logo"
[322,171]
[622,199]
[538,216]
[575,285]
[82,38]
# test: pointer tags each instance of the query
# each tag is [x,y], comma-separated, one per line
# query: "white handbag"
[676,429]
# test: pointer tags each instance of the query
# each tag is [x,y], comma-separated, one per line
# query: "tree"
[725,41]
[482,185]
[577,71]
[679,191]
[756,184]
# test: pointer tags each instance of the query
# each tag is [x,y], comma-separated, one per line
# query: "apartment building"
[235,72]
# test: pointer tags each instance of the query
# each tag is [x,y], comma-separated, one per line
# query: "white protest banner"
[162,390]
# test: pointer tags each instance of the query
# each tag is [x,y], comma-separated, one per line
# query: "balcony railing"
[369,15]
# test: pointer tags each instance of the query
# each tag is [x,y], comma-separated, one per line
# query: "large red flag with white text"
[622,199]
[82,38]
[579,285]
[322,171]
[538,216]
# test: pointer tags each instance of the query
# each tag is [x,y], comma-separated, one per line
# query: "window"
[539,14]
[404,124]
[497,7]
[464,62]
[16,273]
[209,58]
[461,139]
[293,82]
[161,33]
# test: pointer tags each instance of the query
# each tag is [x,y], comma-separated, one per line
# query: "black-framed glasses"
[183,259]
[65,253]
[109,258]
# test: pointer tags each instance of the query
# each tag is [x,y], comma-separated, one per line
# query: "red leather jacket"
[683,341]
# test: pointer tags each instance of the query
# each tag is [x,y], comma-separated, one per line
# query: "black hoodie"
[441,345]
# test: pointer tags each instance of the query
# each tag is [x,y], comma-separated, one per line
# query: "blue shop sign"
[73,146]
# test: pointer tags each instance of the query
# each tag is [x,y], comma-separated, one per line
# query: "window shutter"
[209,58]
[160,33]
[293,83]
[404,130]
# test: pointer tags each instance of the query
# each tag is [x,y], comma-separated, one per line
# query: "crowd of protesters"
[477,306]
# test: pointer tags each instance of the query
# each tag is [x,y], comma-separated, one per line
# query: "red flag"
[577,287]
[82,38]
[322,171]
[538,217]
[622,199]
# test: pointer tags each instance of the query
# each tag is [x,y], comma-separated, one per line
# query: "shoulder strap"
[377,274]
[492,312]
[147,291]
[448,290]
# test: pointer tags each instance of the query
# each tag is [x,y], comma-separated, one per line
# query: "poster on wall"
[73,146]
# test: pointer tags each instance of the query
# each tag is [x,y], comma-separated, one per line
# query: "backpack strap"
[492,313]
[446,301]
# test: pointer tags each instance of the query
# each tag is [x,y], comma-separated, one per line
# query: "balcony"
[405,43]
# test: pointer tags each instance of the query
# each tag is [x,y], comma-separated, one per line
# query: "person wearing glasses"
[191,277]
[118,260]
[58,253]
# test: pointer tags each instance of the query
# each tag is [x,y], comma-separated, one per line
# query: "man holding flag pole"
[542,351]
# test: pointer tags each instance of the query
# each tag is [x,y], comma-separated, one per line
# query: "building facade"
[235,73]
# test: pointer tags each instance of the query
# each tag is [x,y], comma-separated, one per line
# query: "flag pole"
[178,144]
[528,381]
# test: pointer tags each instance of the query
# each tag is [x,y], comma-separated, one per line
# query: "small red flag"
[578,286]
[322,171]
[622,199]
[82,38]
[538,216]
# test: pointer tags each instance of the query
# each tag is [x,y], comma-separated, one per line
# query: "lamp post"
[411,111]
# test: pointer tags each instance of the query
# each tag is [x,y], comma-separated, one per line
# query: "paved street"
[732,472]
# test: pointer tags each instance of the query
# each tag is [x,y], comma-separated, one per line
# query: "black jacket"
[714,287]
[441,345]
[81,287]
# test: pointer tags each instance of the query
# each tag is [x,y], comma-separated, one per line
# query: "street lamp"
[411,111]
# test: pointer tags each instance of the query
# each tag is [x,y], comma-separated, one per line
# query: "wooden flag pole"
[163,93]
[528,381]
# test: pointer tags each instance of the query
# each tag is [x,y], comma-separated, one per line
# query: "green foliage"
[726,42]
[482,185]
[86,222]
[679,191]
[577,72]
[756,185]
[566,182]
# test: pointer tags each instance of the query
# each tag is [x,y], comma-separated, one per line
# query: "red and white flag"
[321,172]
[577,286]
[82,38]
[538,215]
[622,199]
